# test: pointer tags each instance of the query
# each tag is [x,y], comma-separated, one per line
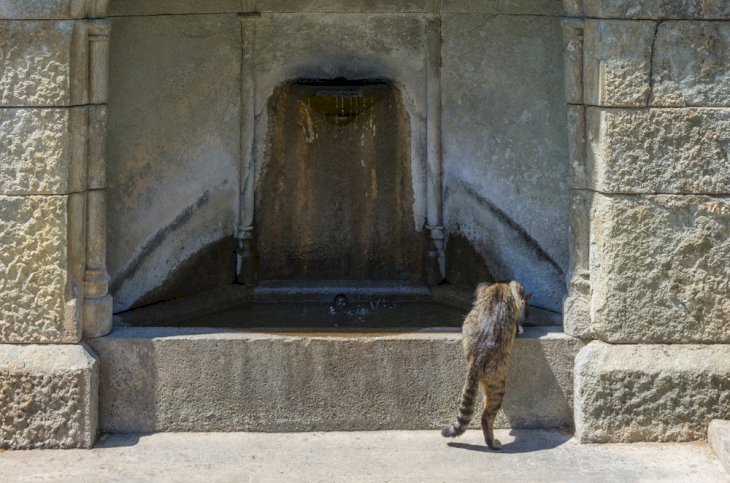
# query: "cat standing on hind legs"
[488,334]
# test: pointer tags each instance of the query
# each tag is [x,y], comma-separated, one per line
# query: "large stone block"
[41,268]
[657,9]
[52,9]
[659,150]
[659,269]
[42,151]
[617,62]
[48,396]
[691,65]
[630,393]
[43,63]
[166,379]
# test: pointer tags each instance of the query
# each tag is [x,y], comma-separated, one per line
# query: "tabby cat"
[487,335]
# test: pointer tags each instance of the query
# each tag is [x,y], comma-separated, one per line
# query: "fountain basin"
[207,379]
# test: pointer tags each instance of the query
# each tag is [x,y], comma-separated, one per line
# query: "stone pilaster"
[97,312]
[651,190]
[52,266]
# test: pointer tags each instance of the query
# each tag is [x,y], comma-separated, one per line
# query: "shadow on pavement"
[526,441]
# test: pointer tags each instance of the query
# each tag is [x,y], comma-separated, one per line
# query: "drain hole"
[340,301]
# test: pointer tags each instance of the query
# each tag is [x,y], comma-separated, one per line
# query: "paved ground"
[362,456]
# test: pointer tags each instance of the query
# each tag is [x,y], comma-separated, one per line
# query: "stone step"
[197,379]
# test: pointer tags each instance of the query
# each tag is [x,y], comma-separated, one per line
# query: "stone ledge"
[160,379]
[630,393]
[718,435]
[48,396]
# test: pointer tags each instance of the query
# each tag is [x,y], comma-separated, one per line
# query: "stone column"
[51,154]
[651,251]
[575,312]
[97,311]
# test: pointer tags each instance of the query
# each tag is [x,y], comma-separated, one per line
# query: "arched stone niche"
[493,85]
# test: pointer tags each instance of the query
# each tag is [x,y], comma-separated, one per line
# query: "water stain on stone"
[209,268]
[465,267]
[335,201]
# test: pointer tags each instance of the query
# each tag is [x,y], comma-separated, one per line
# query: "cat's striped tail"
[466,405]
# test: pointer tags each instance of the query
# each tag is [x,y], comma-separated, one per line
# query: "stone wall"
[646,85]
[52,265]
[178,81]
[649,126]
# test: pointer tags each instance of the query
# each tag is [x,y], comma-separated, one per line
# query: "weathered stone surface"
[576,307]
[711,9]
[42,63]
[579,175]
[48,396]
[573,59]
[173,152]
[390,46]
[718,435]
[617,62]
[39,273]
[510,7]
[506,166]
[340,6]
[659,150]
[42,151]
[504,7]
[630,393]
[145,7]
[659,269]
[212,380]
[573,8]
[691,65]
[52,9]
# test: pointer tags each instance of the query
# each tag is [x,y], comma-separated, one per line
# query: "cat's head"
[522,298]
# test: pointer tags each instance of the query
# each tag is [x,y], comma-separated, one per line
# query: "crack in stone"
[650,94]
